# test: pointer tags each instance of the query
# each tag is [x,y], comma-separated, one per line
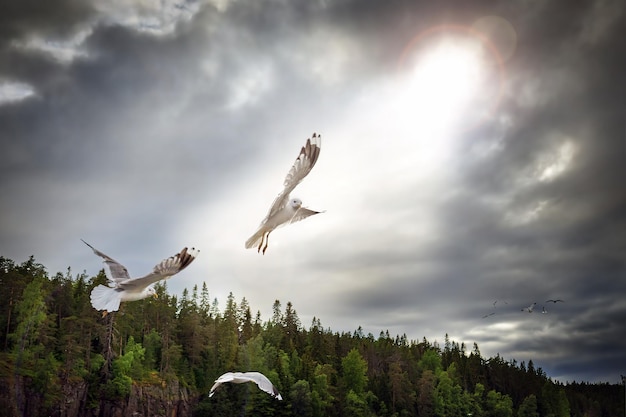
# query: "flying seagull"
[124,288]
[487,315]
[285,209]
[543,310]
[529,308]
[555,301]
[243,377]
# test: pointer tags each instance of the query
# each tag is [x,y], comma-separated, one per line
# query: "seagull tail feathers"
[255,239]
[105,298]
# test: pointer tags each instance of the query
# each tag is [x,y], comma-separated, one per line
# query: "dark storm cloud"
[25,18]
[571,247]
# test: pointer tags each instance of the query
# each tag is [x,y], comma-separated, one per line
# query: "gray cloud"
[153,128]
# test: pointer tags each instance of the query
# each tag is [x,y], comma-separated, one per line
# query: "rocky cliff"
[153,400]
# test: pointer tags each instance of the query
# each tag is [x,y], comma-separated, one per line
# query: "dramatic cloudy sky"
[471,152]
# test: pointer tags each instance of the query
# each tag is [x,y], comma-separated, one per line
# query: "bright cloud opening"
[12,91]
[446,88]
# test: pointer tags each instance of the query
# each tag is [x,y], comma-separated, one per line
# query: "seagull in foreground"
[555,301]
[124,288]
[243,377]
[529,308]
[287,210]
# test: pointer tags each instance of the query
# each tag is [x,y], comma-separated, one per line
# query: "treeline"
[56,350]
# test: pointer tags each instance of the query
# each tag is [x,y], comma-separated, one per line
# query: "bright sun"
[443,87]
[446,77]
[448,84]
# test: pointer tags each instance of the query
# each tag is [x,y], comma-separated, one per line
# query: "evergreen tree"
[32,344]
[528,407]
[301,400]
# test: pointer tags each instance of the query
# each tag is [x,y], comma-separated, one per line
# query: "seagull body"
[285,209]
[529,308]
[543,310]
[243,377]
[124,288]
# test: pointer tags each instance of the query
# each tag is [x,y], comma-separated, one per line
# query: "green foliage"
[448,397]
[301,400]
[498,405]
[528,408]
[354,370]
[321,398]
[430,361]
[356,405]
[96,362]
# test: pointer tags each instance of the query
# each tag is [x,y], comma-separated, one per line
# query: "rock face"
[145,400]
[167,400]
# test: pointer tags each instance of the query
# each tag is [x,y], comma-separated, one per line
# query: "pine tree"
[528,407]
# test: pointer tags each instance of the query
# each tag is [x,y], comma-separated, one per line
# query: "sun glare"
[450,81]
[441,84]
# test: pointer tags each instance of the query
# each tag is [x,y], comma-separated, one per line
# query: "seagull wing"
[263,382]
[116,272]
[227,377]
[163,270]
[301,167]
[303,213]
[242,377]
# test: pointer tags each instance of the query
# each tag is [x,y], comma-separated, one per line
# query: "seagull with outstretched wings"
[124,288]
[285,209]
[242,377]
[555,301]
[529,308]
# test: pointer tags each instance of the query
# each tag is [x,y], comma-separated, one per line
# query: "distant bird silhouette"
[529,308]
[243,377]
[543,310]
[487,315]
[555,301]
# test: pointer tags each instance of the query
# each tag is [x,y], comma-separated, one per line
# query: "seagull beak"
[155,295]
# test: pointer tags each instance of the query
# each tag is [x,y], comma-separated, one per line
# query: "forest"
[160,357]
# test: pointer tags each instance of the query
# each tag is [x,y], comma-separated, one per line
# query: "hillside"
[59,357]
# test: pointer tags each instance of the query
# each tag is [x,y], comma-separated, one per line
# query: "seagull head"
[150,291]
[295,203]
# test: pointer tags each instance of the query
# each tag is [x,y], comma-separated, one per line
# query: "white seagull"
[243,377]
[124,288]
[287,210]
[529,308]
